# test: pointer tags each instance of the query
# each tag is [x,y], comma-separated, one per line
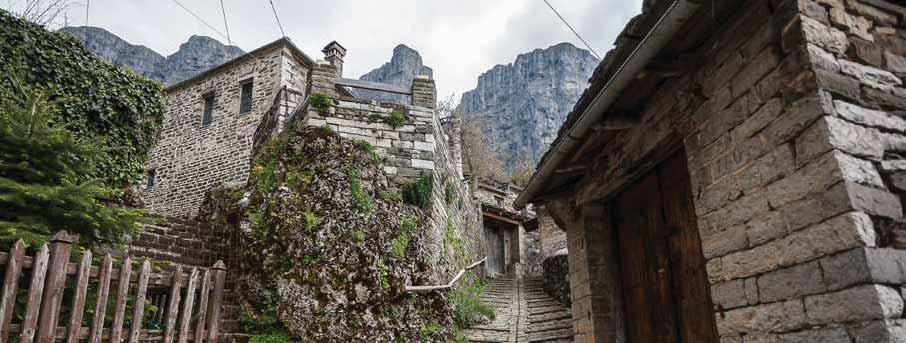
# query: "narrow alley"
[525,313]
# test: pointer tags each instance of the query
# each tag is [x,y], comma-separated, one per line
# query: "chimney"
[334,53]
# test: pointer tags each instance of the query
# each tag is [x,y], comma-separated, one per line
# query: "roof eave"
[676,15]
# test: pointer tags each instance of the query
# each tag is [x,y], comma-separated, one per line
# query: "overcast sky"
[460,39]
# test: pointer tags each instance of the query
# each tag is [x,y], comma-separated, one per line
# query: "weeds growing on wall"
[469,310]
[418,193]
[321,102]
[396,118]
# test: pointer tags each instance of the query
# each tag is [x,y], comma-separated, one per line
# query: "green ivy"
[113,106]
[391,196]
[399,245]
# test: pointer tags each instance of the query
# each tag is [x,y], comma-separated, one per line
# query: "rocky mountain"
[196,55]
[521,105]
[404,66]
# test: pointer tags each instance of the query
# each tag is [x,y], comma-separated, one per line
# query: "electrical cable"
[572,29]
[278,18]
[201,20]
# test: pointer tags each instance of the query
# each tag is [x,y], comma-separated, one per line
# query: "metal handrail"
[447,286]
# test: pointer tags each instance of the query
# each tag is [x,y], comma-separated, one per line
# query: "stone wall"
[190,158]
[793,134]
[555,279]
[419,147]
[552,238]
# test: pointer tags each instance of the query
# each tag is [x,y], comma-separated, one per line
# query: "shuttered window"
[208,114]
[245,103]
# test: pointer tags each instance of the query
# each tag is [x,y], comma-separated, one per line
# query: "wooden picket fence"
[192,311]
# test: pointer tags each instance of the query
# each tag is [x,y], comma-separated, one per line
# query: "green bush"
[396,118]
[362,200]
[418,193]
[111,106]
[391,196]
[321,102]
[45,177]
[469,310]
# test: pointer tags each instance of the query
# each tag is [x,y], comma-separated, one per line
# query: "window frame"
[250,96]
[207,113]
[151,179]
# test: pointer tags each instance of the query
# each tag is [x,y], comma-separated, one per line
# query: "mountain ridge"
[196,55]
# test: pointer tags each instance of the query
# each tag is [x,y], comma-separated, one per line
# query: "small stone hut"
[734,173]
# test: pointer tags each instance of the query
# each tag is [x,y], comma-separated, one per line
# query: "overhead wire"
[572,29]
[201,20]
[278,18]
[225,25]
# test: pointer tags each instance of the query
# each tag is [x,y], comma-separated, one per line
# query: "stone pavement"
[524,314]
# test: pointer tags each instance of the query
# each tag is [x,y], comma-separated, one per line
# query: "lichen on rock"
[337,255]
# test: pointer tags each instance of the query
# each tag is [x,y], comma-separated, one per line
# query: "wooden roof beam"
[617,122]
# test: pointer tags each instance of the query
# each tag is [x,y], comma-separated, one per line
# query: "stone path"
[525,314]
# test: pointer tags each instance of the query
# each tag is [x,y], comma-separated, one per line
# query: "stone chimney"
[424,93]
[334,53]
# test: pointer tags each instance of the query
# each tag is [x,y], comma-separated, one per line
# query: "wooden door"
[665,286]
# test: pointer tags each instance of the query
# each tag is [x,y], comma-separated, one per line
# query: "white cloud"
[459,39]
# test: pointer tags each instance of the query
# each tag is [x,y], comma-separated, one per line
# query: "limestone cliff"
[523,104]
[196,55]
[404,66]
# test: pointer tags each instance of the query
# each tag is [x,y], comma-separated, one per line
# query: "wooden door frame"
[602,236]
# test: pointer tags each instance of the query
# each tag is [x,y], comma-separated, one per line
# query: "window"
[208,115]
[152,177]
[245,98]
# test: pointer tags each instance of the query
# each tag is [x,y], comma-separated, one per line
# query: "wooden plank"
[203,306]
[173,306]
[78,300]
[100,307]
[119,310]
[138,313]
[186,316]
[35,291]
[219,275]
[645,264]
[60,248]
[695,311]
[10,286]
[374,86]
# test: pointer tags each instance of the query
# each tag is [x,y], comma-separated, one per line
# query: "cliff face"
[196,55]
[523,104]
[404,66]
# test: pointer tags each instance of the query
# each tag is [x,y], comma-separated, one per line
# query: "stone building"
[511,248]
[210,122]
[734,174]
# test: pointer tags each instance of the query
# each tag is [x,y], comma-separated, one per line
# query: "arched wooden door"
[665,285]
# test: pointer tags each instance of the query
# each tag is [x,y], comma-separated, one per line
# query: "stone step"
[563,335]
[564,314]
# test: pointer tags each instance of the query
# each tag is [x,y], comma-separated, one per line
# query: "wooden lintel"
[572,169]
[620,122]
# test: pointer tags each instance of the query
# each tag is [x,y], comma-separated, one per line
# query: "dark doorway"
[665,286]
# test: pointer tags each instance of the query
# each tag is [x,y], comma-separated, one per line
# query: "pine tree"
[43,187]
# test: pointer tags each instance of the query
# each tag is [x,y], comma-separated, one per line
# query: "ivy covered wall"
[114,107]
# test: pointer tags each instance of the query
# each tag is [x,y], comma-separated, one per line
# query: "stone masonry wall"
[417,148]
[552,238]
[190,158]
[780,205]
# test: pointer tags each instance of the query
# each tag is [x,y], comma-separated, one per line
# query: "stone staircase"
[525,313]
[191,243]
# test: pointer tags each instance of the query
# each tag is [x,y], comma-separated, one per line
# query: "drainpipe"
[679,12]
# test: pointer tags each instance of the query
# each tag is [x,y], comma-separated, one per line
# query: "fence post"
[186,316]
[78,301]
[219,276]
[203,306]
[116,331]
[100,308]
[139,306]
[173,306]
[38,273]
[60,247]
[10,284]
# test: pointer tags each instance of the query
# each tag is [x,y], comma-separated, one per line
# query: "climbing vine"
[112,106]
